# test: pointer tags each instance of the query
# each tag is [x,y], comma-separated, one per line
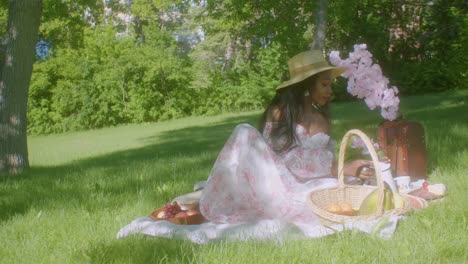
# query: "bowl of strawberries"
[173,213]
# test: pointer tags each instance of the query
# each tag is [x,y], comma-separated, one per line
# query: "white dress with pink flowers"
[250,182]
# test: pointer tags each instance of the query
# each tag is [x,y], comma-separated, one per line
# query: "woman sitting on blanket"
[268,175]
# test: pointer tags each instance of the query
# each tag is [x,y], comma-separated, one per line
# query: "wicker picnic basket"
[319,199]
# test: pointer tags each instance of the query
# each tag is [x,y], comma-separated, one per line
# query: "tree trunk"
[320,25]
[16,68]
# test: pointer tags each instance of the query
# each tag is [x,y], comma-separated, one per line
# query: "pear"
[388,199]
[369,205]
[398,200]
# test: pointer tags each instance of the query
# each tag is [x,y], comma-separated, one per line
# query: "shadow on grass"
[98,184]
[72,183]
[143,250]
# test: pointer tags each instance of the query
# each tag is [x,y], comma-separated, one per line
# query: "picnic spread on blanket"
[251,192]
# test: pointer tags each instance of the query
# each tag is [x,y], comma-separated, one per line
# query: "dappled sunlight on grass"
[157,165]
[84,186]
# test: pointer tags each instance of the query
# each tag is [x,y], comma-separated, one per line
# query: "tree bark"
[320,25]
[16,68]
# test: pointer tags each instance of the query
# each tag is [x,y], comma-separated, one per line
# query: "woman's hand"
[359,168]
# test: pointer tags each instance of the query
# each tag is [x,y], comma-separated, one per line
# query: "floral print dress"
[250,182]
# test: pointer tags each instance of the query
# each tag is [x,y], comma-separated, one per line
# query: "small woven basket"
[319,199]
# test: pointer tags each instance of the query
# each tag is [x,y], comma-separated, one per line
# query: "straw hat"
[306,64]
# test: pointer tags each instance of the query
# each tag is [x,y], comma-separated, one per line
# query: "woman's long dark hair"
[290,102]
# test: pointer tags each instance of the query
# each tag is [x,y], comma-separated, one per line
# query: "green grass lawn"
[84,186]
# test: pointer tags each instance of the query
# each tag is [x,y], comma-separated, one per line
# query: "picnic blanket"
[276,230]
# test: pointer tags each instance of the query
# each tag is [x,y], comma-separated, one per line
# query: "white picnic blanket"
[261,230]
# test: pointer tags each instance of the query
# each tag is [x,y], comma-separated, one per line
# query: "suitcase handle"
[375,160]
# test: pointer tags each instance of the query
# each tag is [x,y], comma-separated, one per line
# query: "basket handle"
[375,160]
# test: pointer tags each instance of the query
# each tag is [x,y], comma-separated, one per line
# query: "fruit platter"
[173,213]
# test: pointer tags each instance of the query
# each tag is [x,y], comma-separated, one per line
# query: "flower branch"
[366,81]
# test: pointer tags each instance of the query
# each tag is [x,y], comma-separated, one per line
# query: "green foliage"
[435,76]
[420,45]
[3,17]
[246,85]
[103,71]
[112,80]
[264,75]
[63,22]
[282,22]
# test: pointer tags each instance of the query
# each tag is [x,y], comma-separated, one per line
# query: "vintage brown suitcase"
[403,142]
